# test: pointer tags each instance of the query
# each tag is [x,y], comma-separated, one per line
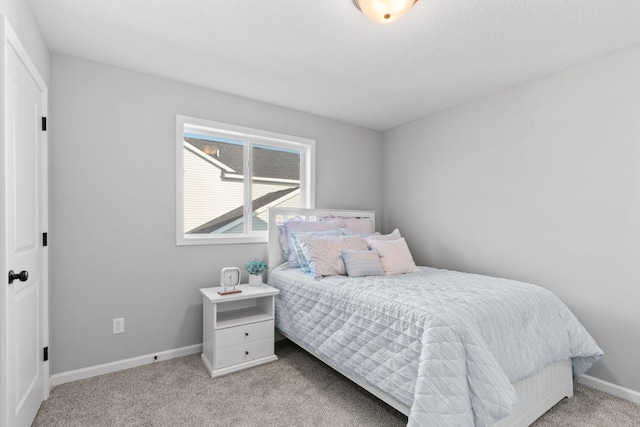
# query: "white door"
[24,323]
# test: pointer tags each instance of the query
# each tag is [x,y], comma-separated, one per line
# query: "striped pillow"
[362,263]
[324,253]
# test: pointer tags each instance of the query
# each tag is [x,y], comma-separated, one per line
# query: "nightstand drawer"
[244,353]
[252,332]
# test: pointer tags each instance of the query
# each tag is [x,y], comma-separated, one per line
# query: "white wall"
[23,23]
[539,183]
[112,226]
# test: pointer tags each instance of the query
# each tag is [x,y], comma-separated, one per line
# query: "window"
[228,176]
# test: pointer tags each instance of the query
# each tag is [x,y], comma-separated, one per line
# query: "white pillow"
[394,256]
[358,225]
[324,254]
[361,226]
[394,235]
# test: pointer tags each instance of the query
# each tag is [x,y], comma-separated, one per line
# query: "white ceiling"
[326,58]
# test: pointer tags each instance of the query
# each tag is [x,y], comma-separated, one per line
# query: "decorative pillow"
[301,227]
[353,225]
[296,244]
[362,263]
[359,225]
[324,254]
[394,256]
[284,236]
[394,235]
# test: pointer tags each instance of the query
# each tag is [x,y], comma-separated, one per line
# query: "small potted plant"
[255,269]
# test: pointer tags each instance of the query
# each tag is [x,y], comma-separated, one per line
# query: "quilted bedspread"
[446,344]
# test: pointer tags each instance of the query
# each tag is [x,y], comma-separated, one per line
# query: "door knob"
[22,276]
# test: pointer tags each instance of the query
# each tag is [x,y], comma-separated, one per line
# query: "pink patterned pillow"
[324,254]
[303,227]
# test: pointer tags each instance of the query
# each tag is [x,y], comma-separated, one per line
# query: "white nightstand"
[238,329]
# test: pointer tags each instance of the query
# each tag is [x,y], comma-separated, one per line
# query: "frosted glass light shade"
[384,11]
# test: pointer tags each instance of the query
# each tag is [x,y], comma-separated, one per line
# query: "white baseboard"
[607,387]
[94,371]
[119,365]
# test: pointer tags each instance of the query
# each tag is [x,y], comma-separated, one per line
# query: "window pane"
[228,176]
[275,181]
[213,185]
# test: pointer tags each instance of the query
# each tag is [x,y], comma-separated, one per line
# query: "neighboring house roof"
[267,163]
[235,214]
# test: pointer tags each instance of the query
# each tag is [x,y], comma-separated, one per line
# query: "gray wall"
[23,23]
[539,183]
[112,229]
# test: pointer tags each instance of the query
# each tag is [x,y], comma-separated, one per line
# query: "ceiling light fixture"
[384,11]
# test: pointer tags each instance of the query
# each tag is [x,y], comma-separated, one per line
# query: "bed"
[444,348]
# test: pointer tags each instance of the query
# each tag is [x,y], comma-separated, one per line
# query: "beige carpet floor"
[297,390]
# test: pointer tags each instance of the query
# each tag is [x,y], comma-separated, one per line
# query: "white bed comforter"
[446,344]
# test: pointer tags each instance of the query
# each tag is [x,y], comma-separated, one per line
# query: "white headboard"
[279,215]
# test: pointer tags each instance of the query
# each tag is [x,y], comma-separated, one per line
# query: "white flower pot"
[255,280]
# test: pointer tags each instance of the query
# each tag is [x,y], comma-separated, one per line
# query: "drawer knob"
[246,334]
[246,352]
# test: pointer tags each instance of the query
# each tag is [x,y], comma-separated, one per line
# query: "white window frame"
[249,136]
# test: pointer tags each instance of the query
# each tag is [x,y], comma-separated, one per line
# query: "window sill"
[220,240]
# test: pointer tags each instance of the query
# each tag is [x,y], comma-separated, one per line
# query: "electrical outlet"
[118,326]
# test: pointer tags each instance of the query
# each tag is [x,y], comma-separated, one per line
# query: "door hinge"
[45,354]
[44,123]
[44,239]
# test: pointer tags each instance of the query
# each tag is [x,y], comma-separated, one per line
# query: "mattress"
[447,344]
